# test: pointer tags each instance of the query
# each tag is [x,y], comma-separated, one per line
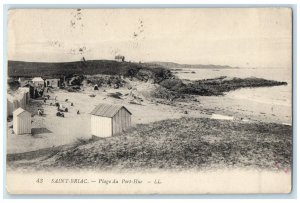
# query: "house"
[52,82]
[108,120]
[120,58]
[38,82]
[21,122]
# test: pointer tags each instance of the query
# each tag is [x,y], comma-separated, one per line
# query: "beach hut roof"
[24,89]
[19,111]
[107,110]
[37,79]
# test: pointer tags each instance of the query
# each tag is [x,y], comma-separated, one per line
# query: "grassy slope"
[177,144]
[109,67]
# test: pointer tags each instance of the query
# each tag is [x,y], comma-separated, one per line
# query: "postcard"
[149,101]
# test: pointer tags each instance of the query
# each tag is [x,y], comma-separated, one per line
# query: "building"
[52,82]
[120,58]
[38,82]
[21,122]
[108,120]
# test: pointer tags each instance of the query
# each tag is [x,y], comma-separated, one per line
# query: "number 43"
[39,180]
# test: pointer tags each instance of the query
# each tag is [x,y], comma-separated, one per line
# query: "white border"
[147,2]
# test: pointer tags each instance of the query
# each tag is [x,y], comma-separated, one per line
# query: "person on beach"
[40,113]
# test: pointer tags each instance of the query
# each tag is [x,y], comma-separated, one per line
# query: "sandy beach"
[50,130]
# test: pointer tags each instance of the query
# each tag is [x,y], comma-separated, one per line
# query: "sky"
[237,37]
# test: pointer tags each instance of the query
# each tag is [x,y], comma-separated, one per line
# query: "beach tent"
[108,120]
[21,121]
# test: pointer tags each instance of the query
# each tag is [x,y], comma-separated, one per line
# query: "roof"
[107,110]
[37,79]
[19,111]
[17,95]
[24,89]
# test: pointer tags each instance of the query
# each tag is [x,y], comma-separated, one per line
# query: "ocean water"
[277,95]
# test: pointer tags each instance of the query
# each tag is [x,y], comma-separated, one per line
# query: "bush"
[172,84]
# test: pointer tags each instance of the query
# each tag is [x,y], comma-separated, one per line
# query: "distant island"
[172,65]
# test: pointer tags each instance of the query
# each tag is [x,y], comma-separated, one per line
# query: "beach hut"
[38,82]
[108,120]
[10,105]
[26,92]
[52,82]
[31,90]
[20,98]
[21,122]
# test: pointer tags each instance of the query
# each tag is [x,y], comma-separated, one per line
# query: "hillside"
[184,143]
[92,67]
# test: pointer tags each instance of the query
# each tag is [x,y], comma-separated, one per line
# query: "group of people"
[59,107]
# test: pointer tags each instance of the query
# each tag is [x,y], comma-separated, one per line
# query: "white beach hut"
[20,98]
[108,120]
[53,82]
[38,82]
[26,92]
[10,105]
[21,121]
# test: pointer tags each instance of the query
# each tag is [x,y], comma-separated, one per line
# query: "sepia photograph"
[149,101]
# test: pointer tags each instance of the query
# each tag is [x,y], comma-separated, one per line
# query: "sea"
[276,95]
